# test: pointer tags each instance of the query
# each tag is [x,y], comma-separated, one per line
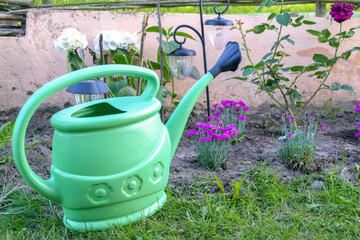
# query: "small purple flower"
[323,128]
[212,110]
[290,134]
[246,108]
[215,105]
[314,114]
[341,11]
[211,117]
[218,120]
[358,124]
[218,136]
[309,118]
[291,117]
[357,109]
[192,132]
[220,108]
[357,134]
[242,118]
[216,114]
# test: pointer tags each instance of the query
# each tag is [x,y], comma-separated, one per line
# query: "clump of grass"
[259,206]
[298,143]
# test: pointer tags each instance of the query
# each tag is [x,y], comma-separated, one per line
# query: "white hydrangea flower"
[113,40]
[70,39]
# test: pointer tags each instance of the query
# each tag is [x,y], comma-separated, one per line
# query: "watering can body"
[111,157]
[110,169]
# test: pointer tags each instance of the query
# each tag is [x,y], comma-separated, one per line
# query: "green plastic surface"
[111,157]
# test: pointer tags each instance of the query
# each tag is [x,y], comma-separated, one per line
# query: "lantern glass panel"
[83,98]
[218,35]
[181,66]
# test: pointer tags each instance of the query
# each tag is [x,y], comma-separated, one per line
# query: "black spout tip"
[229,59]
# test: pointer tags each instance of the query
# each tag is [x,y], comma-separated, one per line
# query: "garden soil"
[337,149]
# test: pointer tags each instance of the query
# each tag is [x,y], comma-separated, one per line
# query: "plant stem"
[252,63]
[326,77]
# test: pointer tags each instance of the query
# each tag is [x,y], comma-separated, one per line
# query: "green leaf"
[267,55]
[260,65]
[161,94]
[298,20]
[297,68]
[312,67]
[347,88]
[75,61]
[182,34]
[116,86]
[350,34]
[271,16]
[289,40]
[195,74]
[169,46]
[6,131]
[248,71]
[156,29]
[322,39]
[308,22]
[126,91]
[297,94]
[333,42]
[238,78]
[292,98]
[326,33]
[313,32]
[122,59]
[296,24]
[331,62]
[335,86]
[263,4]
[272,61]
[259,29]
[221,186]
[270,4]
[283,19]
[320,58]
[346,55]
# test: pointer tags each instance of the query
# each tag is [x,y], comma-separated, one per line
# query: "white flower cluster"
[70,39]
[113,40]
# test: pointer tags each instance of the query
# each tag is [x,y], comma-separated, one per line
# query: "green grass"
[266,208]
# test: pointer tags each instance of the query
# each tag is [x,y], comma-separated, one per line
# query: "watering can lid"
[106,113]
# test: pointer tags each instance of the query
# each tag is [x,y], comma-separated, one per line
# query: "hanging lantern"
[181,62]
[218,31]
[87,91]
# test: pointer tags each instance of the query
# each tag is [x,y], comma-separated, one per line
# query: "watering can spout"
[228,61]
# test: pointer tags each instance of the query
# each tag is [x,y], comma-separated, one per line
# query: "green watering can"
[111,157]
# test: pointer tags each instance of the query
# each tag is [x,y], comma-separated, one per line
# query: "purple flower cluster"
[215,130]
[341,11]
[228,104]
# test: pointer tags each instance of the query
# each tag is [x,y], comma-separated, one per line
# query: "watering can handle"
[48,188]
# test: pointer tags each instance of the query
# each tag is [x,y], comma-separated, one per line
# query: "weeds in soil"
[265,207]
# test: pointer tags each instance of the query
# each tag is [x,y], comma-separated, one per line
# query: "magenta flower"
[192,132]
[357,109]
[211,117]
[242,117]
[358,124]
[357,134]
[290,134]
[291,117]
[309,118]
[216,114]
[341,11]
[215,105]
[314,114]
[246,108]
[323,128]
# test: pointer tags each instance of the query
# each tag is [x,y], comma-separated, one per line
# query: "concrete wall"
[29,62]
